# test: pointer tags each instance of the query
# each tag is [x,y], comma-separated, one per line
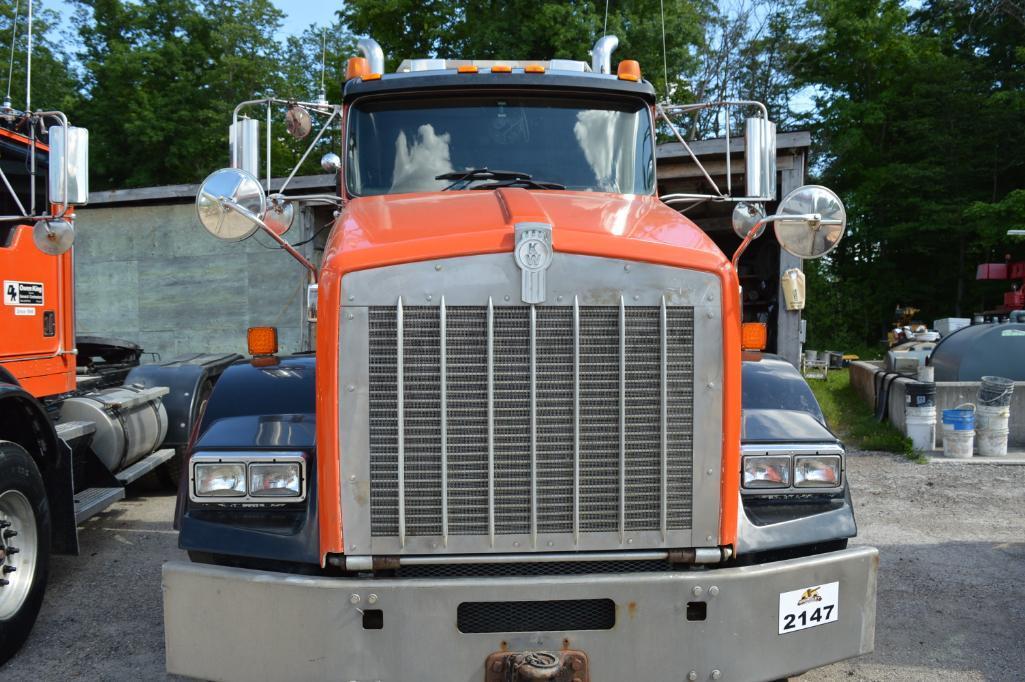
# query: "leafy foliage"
[918,112]
[162,78]
[524,29]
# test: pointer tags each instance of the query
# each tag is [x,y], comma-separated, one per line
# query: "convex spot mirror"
[817,225]
[280,214]
[53,237]
[236,186]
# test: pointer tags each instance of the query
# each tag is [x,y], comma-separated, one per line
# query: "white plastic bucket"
[920,423]
[991,421]
[958,444]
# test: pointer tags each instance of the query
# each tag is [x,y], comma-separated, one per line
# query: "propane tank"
[130,422]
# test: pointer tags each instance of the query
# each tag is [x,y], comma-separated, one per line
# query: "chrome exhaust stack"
[372,52]
[601,54]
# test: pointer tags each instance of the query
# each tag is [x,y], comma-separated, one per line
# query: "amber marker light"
[262,340]
[754,336]
[629,70]
[467,68]
[372,77]
[356,67]
[501,68]
[533,68]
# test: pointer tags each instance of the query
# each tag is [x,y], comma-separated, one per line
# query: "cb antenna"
[10,68]
[28,65]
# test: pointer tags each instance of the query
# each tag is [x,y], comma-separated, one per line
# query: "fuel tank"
[130,422]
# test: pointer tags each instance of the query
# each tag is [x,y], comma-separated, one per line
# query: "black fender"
[24,420]
[778,407]
[768,382]
[189,379]
[7,378]
[267,404]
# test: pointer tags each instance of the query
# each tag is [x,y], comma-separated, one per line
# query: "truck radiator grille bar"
[540,421]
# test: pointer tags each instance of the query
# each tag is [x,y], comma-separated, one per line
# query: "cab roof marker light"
[629,70]
[501,68]
[372,77]
[356,67]
[533,68]
[467,68]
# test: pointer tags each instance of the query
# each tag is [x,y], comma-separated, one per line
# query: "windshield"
[583,144]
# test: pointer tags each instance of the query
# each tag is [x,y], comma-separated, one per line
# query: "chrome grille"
[524,420]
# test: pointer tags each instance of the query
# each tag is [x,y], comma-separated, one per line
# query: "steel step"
[145,465]
[92,501]
[69,431]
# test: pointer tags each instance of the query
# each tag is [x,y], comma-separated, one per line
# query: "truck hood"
[384,230]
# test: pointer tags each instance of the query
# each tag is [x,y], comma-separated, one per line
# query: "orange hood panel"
[385,230]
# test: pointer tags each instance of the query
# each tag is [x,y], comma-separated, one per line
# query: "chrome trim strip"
[443,380]
[622,419]
[401,416]
[664,326]
[541,557]
[533,425]
[575,282]
[576,420]
[246,458]
[491,420]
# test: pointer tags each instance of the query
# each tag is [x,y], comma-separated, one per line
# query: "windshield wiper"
[467,176]
[521,182]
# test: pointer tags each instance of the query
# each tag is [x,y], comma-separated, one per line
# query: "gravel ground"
[951,581]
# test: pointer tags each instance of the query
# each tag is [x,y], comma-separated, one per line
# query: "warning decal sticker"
[22,293]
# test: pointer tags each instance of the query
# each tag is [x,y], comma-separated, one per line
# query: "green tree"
[914,127]
[162,78]
[525,29]
[54,81]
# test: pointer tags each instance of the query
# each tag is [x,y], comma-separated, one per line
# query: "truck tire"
[25,544]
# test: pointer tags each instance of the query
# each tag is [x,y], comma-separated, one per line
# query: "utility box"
[949,325]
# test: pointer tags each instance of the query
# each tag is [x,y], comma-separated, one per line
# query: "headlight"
[817,472]
[220,480]
[275,480]
[767,471]
[248,478]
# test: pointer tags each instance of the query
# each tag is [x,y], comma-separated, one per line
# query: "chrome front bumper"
[237,624]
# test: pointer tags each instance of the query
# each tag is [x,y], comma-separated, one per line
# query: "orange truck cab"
[80,419]
[530,444]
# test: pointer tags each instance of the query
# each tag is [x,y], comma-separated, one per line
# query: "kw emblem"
[533,254]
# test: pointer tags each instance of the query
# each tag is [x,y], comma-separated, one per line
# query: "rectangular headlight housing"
[767,471]
[247,477]
[220,479]
[275,479]
[820,471]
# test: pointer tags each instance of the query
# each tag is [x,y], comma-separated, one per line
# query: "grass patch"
[849,416]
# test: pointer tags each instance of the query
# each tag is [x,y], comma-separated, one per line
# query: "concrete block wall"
[150,274]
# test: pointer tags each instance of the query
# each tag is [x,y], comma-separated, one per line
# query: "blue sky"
[298,13]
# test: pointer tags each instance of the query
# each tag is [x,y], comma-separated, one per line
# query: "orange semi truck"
[534,441]
[80,419]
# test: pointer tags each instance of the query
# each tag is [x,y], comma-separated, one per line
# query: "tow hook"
[537,666]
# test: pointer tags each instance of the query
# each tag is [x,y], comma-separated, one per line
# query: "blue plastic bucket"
[959,420]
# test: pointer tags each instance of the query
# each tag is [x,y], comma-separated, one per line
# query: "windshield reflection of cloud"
[417,165]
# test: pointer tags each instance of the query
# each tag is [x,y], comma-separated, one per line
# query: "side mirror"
[69,165]
[810,221]
[230,204]
[227,203]
[760,158]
